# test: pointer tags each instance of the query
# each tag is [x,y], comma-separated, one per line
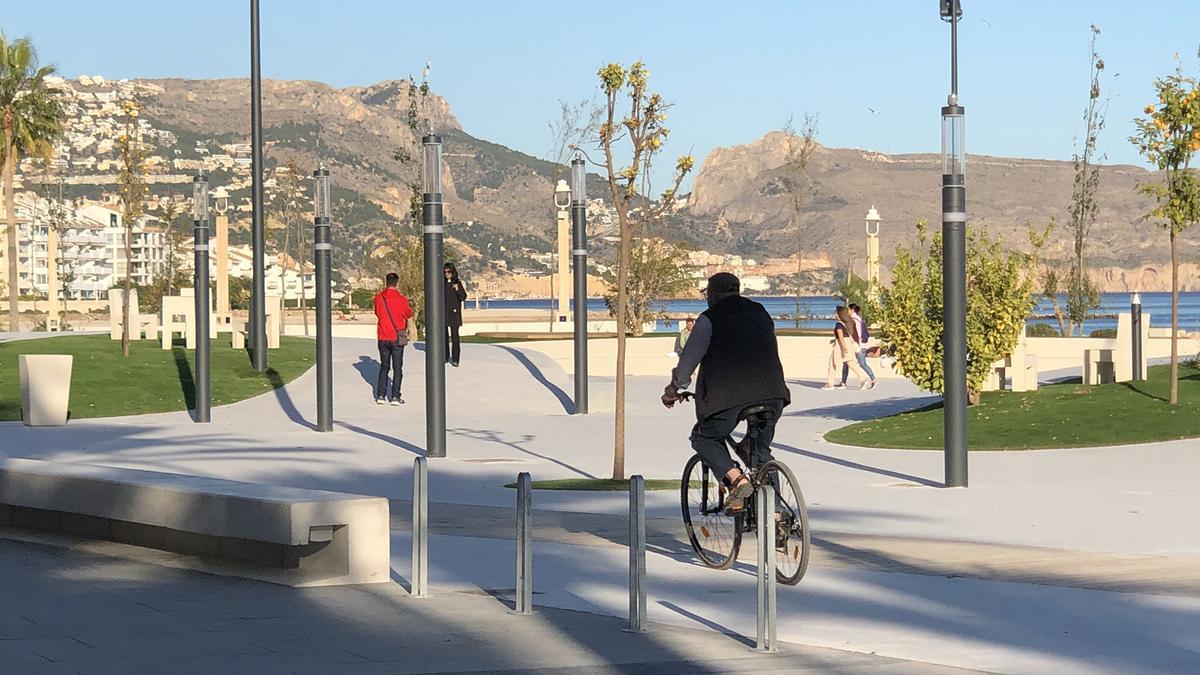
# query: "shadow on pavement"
[563,399]
[849,464]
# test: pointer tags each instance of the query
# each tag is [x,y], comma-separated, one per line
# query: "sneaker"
[397,401]
[454,363]
[839,386]
[380,401]
[873,384]
[828,387]
[865,386]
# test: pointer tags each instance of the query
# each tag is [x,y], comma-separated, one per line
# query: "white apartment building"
[91,248]
[286,283]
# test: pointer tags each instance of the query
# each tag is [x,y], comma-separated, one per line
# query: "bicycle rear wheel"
[715,536]
[792,537]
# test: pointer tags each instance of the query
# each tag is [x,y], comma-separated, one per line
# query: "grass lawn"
[106,384]
[1055,416]
[600,484]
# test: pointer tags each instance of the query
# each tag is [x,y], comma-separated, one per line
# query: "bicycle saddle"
[756,413]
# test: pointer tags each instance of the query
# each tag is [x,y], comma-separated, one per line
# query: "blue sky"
[734,70]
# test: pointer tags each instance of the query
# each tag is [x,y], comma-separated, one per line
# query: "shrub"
[999,297]
[1104,333]
[1040,330]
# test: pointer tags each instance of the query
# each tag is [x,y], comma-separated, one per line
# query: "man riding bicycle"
[734,345]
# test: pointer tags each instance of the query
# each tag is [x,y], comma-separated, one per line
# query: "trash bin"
[45,388]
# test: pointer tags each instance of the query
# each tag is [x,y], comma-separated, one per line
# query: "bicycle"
[716,532]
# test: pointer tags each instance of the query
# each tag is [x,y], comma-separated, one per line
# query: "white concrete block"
[297,537]
[45,388]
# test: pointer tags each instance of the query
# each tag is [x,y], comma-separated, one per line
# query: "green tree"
[999,297]
[132,184]
[31,119]
[642,131]
[1169,136]
[658,269]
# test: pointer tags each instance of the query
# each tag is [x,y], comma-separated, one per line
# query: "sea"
[817,310]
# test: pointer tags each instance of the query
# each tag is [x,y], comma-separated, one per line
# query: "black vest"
[742,364]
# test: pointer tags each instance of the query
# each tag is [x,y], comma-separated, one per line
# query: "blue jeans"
[862,361]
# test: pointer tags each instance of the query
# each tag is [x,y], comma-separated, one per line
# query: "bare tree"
[1082,294]
[577,123]
[132,183]
[642,132]
[800,146]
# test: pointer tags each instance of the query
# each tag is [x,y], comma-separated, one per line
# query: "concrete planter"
[45,388]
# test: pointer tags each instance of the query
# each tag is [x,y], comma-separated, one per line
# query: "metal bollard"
[1135,311]
[420,529]
[765,513]
[523,601]
[637,555]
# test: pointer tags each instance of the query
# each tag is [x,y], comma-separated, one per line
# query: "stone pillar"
[564,270]
[53,316]
[224,318]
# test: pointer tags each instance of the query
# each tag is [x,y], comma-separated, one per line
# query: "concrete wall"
[806,357]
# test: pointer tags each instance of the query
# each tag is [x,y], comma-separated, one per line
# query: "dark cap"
[723,282]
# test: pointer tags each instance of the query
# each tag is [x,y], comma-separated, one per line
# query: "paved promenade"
[1052,561]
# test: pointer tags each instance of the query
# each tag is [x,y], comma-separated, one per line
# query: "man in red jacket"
[392,313]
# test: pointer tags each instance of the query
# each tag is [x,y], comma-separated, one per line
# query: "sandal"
[739,489]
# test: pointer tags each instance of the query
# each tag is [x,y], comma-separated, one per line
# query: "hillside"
[498,200]
[738,203]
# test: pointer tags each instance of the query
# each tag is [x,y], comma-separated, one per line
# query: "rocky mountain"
[739,202]
[499,199]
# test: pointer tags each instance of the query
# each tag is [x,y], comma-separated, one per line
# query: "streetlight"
[202,377]
[435,299]
[579,257]
[562,204]
[954,267]
[258,298]
[322,248]
[872,222]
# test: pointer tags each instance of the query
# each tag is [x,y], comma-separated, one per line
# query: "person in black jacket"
[733,343]
[456,295]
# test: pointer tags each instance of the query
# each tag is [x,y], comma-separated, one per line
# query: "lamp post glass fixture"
[954,266]
[322,249]
[203,377]
[579,258]
[562,205]
[435,299]
[872,222]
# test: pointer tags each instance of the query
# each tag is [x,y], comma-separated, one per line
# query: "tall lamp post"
[562,205]
[579,258]
[954,266]
[203,375]
[322,248]
[872,222]
[435,299]
[258,298]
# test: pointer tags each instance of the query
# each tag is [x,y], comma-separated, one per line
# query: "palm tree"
[31,117]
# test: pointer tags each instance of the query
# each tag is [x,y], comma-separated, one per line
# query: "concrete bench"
[142,324]
[1020,367]
[284,535]
[241,329]
[1098,366]
[1007,373]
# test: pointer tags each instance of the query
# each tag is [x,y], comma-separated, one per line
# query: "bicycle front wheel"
[715,536]
[792,537]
